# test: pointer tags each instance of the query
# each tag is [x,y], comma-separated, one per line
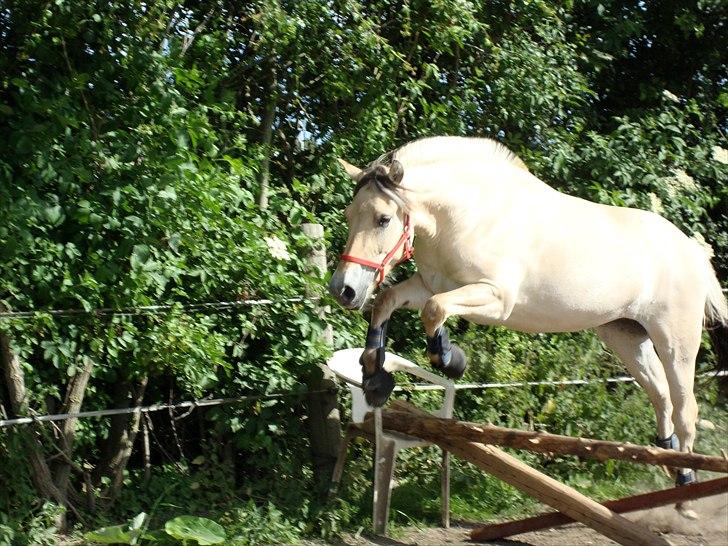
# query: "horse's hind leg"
[677,342]
[629,340]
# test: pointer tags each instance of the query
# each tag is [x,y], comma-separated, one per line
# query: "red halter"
[403,240]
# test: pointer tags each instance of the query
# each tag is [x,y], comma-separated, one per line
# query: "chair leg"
[445,490]
[385,454]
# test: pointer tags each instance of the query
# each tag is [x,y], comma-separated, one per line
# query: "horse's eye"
[384,221]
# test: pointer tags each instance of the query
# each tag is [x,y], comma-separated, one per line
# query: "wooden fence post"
[324,421]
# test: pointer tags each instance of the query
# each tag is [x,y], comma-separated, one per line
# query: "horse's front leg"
[485,302]
[410,294]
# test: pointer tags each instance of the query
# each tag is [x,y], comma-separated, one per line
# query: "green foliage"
[202,531]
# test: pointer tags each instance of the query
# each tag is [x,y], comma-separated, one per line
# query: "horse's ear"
[350,169]
[396,172]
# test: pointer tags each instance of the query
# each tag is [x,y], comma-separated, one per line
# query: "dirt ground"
[710,530]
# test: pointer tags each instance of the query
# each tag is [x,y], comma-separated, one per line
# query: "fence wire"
[556,383]
[208,402]
[192,404]
[150,309]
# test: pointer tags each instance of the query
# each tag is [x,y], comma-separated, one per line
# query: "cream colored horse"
[498,246]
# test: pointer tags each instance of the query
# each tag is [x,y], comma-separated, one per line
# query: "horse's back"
[606,262]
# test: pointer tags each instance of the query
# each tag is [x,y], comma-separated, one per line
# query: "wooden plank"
[384,462]
[427,426]
[445,490]
[551,492]
[529,480]
[620,506]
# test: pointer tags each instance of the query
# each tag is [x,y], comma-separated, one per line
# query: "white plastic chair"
[345,364]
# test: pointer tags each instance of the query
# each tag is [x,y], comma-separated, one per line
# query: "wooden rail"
[412,421]
[620,506]
[425,426]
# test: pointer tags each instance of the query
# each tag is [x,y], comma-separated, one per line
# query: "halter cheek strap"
[405,239]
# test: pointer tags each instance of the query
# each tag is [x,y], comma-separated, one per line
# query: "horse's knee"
[433,316]
[384,304]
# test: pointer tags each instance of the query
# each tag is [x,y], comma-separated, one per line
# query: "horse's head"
[379,233]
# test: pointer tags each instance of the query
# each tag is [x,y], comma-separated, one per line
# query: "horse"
[498,246]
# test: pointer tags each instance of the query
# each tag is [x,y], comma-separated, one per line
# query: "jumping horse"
[498,246]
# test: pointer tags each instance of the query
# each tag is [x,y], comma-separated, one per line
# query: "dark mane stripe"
[377,174]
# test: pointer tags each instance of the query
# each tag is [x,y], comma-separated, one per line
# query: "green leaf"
[140,256]
[203,530]
[116,534]
[168,193]
[54,215]
[127,533]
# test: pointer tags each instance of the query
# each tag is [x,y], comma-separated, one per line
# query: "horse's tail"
[716,306]
[716,319]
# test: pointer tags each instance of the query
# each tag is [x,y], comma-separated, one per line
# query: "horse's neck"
[447,199]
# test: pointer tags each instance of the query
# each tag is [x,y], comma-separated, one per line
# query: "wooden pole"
[324,421]
[549,491]
[445,490]
[529,480]
[620,506]
[427,426]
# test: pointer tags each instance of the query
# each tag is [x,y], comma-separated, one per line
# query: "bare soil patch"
[710,530]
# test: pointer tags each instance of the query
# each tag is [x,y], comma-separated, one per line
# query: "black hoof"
[455,367]
[378,387]
[670,442]
[687,478]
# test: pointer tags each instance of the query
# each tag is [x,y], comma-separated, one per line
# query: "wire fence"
[151,309]
[209,402]
[556,383]
[191,405]
[157,309]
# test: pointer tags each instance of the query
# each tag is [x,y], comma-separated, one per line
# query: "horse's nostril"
[348,294]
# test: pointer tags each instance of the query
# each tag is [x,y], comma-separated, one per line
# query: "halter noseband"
[405,239]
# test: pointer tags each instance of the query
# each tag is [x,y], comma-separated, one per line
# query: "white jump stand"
[345,364]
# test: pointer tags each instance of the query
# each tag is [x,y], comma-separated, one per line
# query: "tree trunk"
[269,118]
[75,393]
[123,430]
[15,385]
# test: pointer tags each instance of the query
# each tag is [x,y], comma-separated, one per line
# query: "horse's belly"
[566,321]
[533,321]
[574,303]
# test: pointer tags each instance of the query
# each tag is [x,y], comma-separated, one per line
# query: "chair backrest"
[345,364]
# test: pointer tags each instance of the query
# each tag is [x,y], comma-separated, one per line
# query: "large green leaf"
[127,533]
[116,534]
[203,530]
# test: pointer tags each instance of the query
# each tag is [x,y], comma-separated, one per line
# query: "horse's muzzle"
[350,285]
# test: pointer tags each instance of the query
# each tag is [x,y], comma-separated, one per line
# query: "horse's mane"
[433,150]
[450,148]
